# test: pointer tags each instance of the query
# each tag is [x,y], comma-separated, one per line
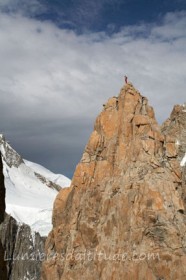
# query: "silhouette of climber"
[126,79]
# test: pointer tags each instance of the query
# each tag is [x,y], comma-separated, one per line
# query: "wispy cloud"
[53,82]
[173,29]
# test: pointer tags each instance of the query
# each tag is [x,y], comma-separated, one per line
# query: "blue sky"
[97,15]
[61,60]
[107,15]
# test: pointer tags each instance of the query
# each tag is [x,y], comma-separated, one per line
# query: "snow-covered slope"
[58,179]
[28,198]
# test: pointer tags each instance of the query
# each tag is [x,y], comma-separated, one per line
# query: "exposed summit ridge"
[126,200]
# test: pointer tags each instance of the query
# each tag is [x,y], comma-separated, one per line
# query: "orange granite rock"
[124,215]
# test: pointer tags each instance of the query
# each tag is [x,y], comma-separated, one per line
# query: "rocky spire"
[123,217]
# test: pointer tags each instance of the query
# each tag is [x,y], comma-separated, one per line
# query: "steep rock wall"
[3,271]
[23,250]
[174,129]
[123,217]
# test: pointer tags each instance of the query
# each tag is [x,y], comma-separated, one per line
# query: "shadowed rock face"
[123,217]
[24,250]
[3,271]
[2,192]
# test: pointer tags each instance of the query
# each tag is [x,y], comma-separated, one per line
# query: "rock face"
[3,271]
[2,192]
[124,215]
[24,250]
[175,130]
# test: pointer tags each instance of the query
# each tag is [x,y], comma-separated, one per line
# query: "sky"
[62,60]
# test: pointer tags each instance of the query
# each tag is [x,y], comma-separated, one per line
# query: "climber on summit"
[126,79]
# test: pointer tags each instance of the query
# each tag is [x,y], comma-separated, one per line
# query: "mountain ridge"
[30,193]
[26,183]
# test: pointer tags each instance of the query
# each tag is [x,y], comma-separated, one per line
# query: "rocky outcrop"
[47,182]
[11,157]
[24,250]
[174,129]
[3,271]
[124,216]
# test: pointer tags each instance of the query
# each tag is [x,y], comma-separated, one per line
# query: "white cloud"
[173,27]
[49,75]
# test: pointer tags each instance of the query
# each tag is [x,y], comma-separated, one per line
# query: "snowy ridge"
[28,199]
[58,179]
